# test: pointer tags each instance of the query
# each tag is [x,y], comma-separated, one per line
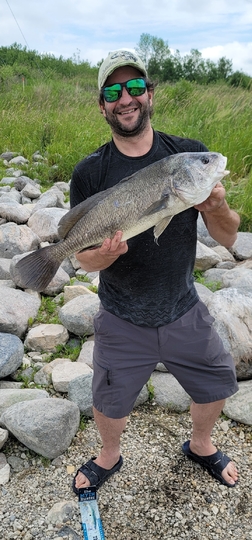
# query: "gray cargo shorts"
[125,355]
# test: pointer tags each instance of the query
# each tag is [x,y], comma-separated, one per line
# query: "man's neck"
[135,146]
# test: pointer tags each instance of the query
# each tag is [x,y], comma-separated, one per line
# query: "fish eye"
[205,160]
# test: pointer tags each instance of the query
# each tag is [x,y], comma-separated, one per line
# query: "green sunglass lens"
[112,93]
[135,87]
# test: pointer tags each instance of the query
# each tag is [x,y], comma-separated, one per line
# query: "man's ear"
[102,109]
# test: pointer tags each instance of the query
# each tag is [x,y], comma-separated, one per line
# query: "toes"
[230,473]
[81,481]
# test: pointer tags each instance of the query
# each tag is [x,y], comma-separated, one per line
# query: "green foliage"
[151,390]
[67,351]
[93,288]
[240,196]
[83,278]
[83,422]
[212,285]
[31,65]
[240,79]
[48,312]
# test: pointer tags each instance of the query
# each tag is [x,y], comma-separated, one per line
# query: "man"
[150,311]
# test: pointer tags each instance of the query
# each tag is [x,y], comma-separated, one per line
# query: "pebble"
[158,493]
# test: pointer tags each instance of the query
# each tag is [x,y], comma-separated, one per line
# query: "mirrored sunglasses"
[134,87]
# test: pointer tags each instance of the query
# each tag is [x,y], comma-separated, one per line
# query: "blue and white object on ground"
[90,516]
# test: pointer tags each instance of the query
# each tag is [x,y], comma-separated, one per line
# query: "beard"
[138,128]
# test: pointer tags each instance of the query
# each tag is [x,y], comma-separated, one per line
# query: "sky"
[90,29]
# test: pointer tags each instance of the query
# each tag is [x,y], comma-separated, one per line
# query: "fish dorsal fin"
[77,212]
[161,226]
[157,206]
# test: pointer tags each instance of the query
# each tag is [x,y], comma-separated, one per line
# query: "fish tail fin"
[37,269]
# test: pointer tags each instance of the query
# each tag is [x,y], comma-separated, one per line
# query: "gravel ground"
[158,494]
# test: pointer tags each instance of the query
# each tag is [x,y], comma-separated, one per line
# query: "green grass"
[212,285]
[62,120]
[48,312]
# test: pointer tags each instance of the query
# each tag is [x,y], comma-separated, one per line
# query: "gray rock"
[16,308]
[63,374]
[13,211]
[224,253]
[215,275]
[11,396]
[242,248]
[86,354]
[29,422]
[21,181]
[13,172]
[31,191]
[11,354]
[203,291]
[239,406]
[169,393]
[205,257]
[57,283]
[4,470]
[16,463]
[8,155]
[142,398]
[44,223]
[3,437]
[233,321]
[203,234]
[7,283]
[61,512]
[13,196]
[46,337]
[238,277]
[44,375]
[5,268]
[9,180]
[80,392]
[78,314]
[16,239]
[18,160]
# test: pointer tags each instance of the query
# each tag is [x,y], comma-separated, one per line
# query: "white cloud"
[62,27]
[239,53]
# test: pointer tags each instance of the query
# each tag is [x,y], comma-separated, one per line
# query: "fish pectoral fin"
[157,206]
[161,226]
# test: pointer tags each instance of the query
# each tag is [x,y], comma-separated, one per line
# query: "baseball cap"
[116,59]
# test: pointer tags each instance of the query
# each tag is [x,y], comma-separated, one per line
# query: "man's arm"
[222,222]
[94,260]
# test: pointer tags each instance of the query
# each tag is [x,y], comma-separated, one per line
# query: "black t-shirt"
[151,285]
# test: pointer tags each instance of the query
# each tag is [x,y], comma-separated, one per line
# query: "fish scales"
[148,198]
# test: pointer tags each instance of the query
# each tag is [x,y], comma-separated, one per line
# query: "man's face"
[128,116]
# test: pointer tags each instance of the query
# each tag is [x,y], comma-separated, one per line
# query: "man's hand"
[222,222]
[93,260]
[215,200]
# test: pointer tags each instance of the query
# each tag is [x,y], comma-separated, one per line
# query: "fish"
[148,198]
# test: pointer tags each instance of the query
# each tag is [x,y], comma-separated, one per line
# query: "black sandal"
[96,474]
[214,463]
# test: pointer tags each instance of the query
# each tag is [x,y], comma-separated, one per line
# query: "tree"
[224,67]
[194,67]
[152,49]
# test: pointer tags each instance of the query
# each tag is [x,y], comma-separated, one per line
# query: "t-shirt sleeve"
[79,188]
